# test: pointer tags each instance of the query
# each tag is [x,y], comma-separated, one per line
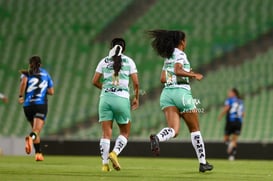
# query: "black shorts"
[35,111]
[233,127]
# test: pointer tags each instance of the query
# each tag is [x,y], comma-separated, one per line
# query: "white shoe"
[231,158]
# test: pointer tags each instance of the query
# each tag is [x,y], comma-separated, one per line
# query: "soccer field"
[150,169]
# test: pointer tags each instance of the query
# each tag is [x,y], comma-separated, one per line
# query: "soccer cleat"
[205,167]
[28,144]
[39,157]
[114,159]
[231,158]
[105,168]
[155,144]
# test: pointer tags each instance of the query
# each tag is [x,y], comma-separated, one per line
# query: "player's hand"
[135,104]
[198,76]
[21,100]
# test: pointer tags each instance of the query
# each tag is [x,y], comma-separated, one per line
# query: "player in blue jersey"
[35,85]
[234,111]
[176,100]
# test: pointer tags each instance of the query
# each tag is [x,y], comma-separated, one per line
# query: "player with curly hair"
[176,99]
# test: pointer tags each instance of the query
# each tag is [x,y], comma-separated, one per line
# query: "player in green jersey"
[176,99]
[115,70]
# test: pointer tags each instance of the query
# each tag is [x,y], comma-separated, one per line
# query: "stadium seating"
[61,32]
[249,77]
[212,27]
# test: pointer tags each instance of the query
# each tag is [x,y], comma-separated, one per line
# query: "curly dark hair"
[164,41]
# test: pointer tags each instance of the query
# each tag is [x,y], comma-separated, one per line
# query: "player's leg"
[105,118]
[172,117]
[226,139]
[38,125]
[122,139]
[28,140]
[120,144]
[234,140]
[173,121]
[232,147]
[229,130]
[122,115]
[191,119]
[29,113]
[105,143]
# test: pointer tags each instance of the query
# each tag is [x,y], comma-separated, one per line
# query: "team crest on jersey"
[107,60]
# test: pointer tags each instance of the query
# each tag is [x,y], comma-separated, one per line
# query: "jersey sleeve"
[133,68]
[227,102]
[180,58]
[22,76]
[99,66]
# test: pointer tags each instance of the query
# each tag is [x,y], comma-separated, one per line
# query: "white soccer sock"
[120,144]
[199,146]
[166,134]
[104,150]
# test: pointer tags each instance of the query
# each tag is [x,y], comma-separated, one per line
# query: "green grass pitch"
[80,168]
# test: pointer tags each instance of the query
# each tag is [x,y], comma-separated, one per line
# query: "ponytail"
[34,66]
[236,92]
[118,46]
[115,54]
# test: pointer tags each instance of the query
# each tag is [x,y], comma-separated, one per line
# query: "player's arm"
[50,91]
[223,112]
[96,80]
[243,114]
[50,88]
[178,70]
[163,76]
[135,102]
[23,85]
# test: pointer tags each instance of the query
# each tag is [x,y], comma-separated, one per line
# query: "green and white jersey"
[118,85]
[172,80]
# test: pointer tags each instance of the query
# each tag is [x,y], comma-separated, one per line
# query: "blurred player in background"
[176,99]
[35,85]
[116,70]
[3,98]
[234,111]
